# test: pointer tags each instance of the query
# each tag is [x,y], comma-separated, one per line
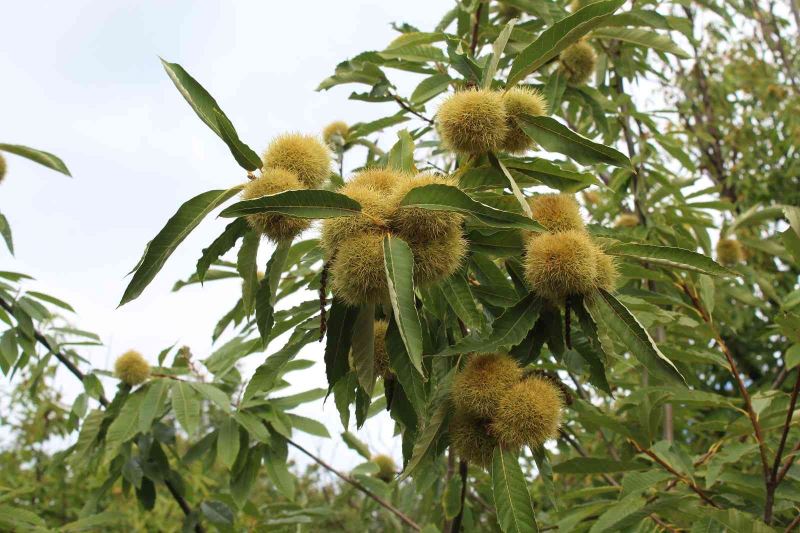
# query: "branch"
[692,485]
[411,110]
[103,401]
[734,370]
[462,470]
[475,27]
[344,477]
[787,464]
[611,481]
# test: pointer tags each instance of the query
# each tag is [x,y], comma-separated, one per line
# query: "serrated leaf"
[306,203]
[267,289]
[248,270]
[37,156]
[186,406]
[429,88]
[511,497]
[401,156]
[560,35]
[509,329]
[228,442]
[555,137]
[439,197]
[341,318]
[154,400]
[497,52]
[633,335]
[640,37]
[226,241]
[671,257]
[399,262]
[363,347]
[209,112]
[157,251]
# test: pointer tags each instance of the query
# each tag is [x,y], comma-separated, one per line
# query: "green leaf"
[265,296]
[632,334]
[560,35]
[429,88]
[410,380]
[209,112]
[439,197]
[428,435]
[792,356]
[222,244]
[125,426]
[356,445]
[267,375]
[248,270]
[639,37]
[509,329]
[400,278]
[597,465]
[555,137]
[217,513]
[511,497]
[309,425]
[253,425]
[497,52]
[154,400]
[401,156]
[512,183]
[457,292]
[363,347]
[340,333]
[228,442]
[213,394]
[243,154]
[186,406]
[171,235]
[306,203]
[37,156]
[670,257]
[5,231]
[51,300]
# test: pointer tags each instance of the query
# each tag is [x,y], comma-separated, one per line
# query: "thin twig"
[462,471]
[411,110]
[692,485]
[475,30]
[773,483]
[734,370]
[787,464]
[347,479]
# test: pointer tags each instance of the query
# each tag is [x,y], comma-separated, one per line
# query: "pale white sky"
[82,79]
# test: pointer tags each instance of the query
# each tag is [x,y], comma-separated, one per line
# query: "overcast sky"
[82,79]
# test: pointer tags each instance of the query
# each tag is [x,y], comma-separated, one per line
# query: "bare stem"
[691,484]
[347,479]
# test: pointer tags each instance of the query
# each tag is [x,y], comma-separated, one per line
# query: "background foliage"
[688,124]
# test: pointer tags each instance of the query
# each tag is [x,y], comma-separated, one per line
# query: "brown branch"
[181,501]
[610,480]
[794,523]
[347,479]
[734,370]
[691,484]
[411,110]
[787,464]
[773,483]
[475,30]
[462,471]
